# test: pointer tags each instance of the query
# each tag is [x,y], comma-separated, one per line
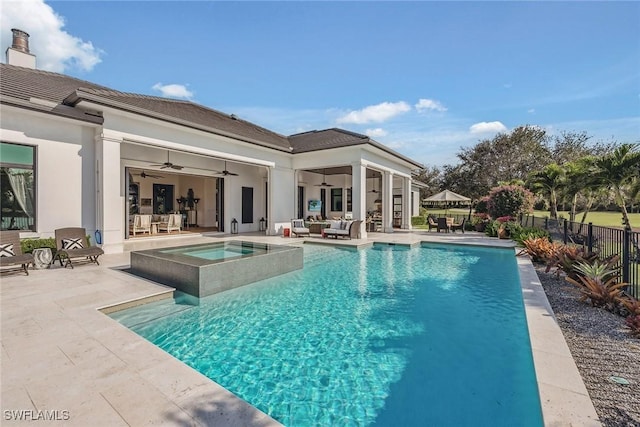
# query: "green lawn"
[604,219]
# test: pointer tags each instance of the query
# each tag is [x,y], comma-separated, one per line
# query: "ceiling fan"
[324,181]
[225,172]
[143,174]
[374,187]
[168,164]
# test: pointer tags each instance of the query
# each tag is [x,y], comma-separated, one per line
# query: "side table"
[42,258]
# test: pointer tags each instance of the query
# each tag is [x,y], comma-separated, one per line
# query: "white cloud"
[375,133]
[429,105]
[55,49]
[375,113]
[487,127]
[531,110]
[173,91]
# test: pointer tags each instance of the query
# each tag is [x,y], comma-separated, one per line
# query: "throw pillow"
[7,250]
[73,243]
[343,225]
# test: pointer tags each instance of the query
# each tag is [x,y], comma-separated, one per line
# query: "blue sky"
[424,78]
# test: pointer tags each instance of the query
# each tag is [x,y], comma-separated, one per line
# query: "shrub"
[509,200]
[28,245]
[418,220]
[492,228]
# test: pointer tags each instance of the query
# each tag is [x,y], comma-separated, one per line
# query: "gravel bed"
[602,348]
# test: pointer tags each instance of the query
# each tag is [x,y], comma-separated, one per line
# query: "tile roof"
[24,87]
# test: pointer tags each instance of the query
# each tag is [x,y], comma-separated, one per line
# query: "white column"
[110,191]
[359,195]
[406,203]
[387,202]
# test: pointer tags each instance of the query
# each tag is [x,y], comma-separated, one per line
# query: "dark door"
[300,202]
[220,203]
[162,199]
[323,202]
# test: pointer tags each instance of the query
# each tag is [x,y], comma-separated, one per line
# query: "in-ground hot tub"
[206,269]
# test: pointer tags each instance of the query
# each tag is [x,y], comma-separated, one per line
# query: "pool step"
[133,318]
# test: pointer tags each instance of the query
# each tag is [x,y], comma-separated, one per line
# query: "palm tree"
[549,180]
[617,170]
[581,180]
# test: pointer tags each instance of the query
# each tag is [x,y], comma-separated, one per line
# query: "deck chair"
[141,224]
[11,253]
[174,222]
[72,244]
[459,226]
[298,228]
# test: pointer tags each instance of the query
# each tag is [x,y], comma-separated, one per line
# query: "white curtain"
[22,188]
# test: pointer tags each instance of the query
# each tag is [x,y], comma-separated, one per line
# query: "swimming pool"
[434,335]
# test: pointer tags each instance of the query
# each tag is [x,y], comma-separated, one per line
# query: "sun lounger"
[11,255]
[72,244]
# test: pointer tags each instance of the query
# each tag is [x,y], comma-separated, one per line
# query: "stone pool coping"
[59,353]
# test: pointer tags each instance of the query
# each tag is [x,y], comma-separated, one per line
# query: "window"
[349,204]
[18,184]
[336,199]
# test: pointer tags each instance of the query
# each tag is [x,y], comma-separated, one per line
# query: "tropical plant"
[618,169]
[567,257]
[531,233]
[599,284]
[633,322]
[631,305]
[540,249]
[548,181]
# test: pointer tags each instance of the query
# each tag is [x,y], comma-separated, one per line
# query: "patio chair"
[72,244]
[298,228]
[173,222]
[141,224]
[459,226]
[11,253]
[431,223]
[443,224]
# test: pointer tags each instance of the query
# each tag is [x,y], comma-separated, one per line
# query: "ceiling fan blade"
[232,173]
[176,167]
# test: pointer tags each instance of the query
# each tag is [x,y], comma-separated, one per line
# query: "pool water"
[221,250]
[428,336]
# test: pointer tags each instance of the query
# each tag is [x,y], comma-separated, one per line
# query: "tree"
[581,179]
[549,180]
[618,170]
[509,200]
[431,177]
[505,157]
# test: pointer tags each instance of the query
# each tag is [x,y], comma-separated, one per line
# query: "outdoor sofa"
[350,229]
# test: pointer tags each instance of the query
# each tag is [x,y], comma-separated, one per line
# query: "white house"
[74,153]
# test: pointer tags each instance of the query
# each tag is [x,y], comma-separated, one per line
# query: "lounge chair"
[350,229]
[298,228]
[431,223]
[72,243]
[459,226]
[173,222]
[141,224]
[443,224]
[11,253]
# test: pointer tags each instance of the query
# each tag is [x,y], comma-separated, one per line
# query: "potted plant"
[479,221]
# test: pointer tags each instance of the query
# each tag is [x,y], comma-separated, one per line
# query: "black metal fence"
[606,241]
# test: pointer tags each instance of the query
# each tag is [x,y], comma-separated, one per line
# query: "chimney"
[18,54]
